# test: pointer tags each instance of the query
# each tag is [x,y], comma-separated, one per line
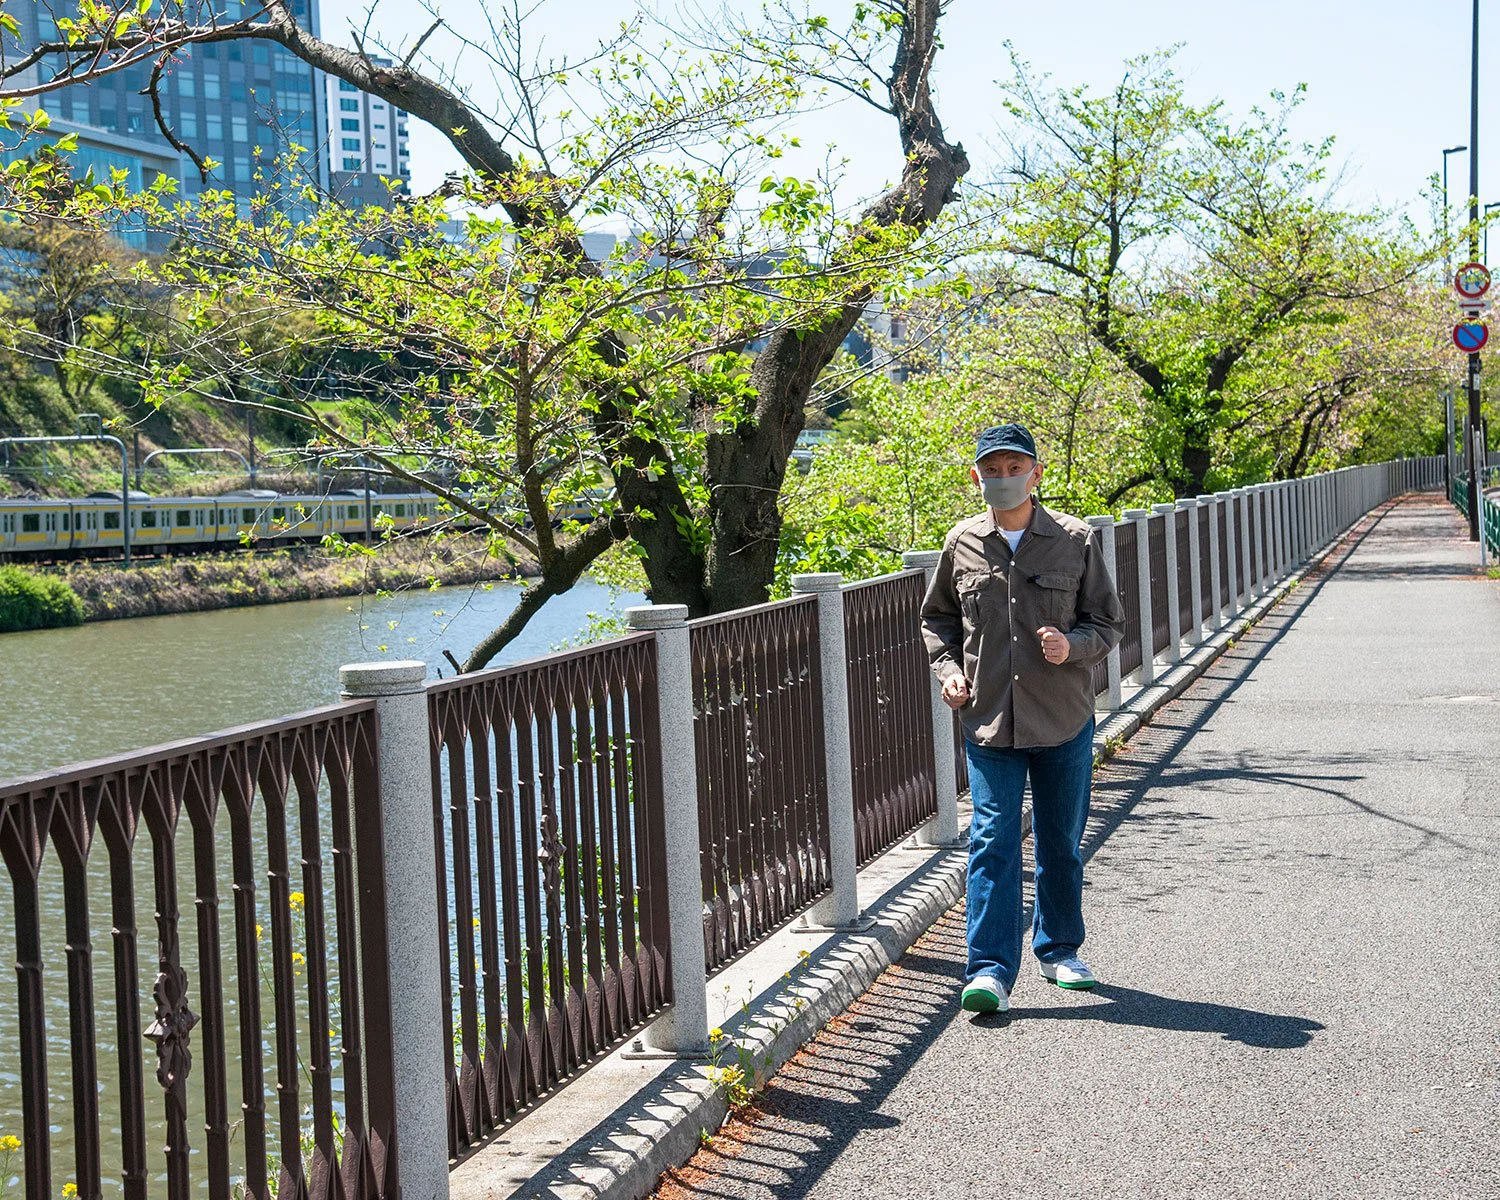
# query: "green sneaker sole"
[979,1001]
[1071,987]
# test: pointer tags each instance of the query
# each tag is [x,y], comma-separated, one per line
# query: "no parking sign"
[1470,336]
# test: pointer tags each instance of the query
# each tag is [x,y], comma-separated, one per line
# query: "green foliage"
[29,601]
[1208,257]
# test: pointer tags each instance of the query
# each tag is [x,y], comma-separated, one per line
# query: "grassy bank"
[30,601]
[206,581]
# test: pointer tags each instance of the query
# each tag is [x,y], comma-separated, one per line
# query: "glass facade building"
[366,143]
[244,104]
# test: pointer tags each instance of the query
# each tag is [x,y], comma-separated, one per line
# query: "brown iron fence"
[1127,577]
[890,711]
[1206,584]
[762,778]
[548,815]
[1184,574]
[1262,513]
[1156,532]
[1222,584]
[1244,540]
[289,1008]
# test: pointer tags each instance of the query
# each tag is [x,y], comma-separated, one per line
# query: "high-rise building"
[244,104]
[366,143]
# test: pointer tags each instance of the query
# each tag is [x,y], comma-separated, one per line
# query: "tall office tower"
[366,143]
[242,103]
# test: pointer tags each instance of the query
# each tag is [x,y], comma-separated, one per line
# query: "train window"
[7,524]
[64,524]
[31,523]
[247,516]
[111,520]
[184,518]
[354,512]
[52,522]
[278,514]
[148,519]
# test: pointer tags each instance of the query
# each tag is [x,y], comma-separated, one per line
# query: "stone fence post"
[403,752]
[1106,527]
[840,908]
[942,830]
[683,1028]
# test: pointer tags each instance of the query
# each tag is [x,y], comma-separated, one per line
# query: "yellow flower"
[70,1189]
[297,957]
[715,1035]
[296,900]
[258,931]
[10,1143]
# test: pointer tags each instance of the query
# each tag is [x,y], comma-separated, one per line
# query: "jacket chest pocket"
[1057,597]
[980,595]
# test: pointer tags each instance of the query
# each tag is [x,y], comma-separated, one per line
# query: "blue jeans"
[1060,780]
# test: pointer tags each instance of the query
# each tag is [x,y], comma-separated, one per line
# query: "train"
[93,525]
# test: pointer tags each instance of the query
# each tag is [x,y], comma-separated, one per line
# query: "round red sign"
[1472,280]
[1470,336]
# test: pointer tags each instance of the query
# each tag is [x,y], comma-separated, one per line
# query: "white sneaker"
[1071,972]
[985,995]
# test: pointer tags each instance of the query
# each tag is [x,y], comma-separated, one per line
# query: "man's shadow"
[1128,1006]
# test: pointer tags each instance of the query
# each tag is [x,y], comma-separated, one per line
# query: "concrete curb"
[663,1119]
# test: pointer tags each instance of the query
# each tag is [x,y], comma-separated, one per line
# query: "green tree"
[686,370]
[1204,254]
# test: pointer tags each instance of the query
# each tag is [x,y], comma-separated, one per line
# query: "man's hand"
[1054,644]
[955,691]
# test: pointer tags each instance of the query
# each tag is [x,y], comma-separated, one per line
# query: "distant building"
[367,144]
[242,103]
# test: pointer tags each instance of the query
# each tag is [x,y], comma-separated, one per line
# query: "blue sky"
[1390,80]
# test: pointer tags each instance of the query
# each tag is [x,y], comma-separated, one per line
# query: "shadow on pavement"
[832,1090]
[1127,1006]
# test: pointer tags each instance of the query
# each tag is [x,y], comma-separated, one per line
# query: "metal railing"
[1224,581]
[762,782]
[596,830]
[1127,577]
[547,812]
[288,1010]
[1184,572]
[1489,512]
[890,717]
[1161,617]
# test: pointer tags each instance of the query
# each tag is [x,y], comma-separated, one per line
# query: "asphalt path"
[1292,906]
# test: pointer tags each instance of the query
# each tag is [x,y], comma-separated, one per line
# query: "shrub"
[30,601]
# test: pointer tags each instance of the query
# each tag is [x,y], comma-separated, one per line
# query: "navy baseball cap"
[1005,437]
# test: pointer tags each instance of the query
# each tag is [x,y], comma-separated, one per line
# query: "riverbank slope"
[197,583]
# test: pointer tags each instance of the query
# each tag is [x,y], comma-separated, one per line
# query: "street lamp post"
[1447,263]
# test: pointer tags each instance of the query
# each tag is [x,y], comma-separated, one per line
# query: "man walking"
[1020,609]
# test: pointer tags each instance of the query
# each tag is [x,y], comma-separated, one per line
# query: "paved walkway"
[1293,900]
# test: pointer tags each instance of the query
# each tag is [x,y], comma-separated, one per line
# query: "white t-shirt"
[1013,536]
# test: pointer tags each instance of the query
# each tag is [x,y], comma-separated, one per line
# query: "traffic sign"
[1472,280]
[1470,336]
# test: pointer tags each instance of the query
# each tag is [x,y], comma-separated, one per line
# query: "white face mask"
[1006,491]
